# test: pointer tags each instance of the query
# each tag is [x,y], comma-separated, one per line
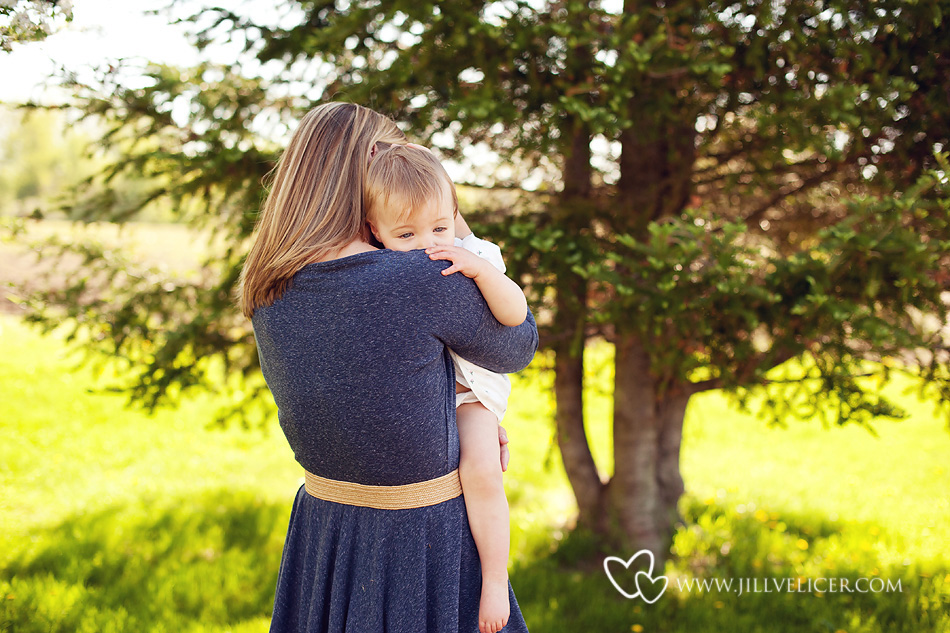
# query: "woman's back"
[355,355]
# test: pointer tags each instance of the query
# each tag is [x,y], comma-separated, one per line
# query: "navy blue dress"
[356,355]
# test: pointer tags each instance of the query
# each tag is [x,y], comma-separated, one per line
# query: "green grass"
[111,520]
[114,520]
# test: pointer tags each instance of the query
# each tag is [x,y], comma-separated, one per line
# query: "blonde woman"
[354,344]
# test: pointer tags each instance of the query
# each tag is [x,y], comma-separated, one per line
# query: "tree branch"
[809,183]
[704,385]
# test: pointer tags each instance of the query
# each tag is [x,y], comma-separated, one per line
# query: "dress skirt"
[349,569]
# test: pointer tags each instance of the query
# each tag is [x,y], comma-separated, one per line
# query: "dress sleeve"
[461,319]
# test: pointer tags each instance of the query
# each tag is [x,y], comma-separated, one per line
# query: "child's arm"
[504,297]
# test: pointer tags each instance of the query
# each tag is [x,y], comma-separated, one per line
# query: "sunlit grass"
[111,520]
[896,479]
[802,501]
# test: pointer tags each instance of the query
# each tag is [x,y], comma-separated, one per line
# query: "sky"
[101,30]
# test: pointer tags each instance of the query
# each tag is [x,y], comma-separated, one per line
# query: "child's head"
[409,199]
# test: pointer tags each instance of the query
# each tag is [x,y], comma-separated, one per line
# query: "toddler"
[411,203]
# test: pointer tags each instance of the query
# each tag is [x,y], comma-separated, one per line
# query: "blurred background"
[730,218]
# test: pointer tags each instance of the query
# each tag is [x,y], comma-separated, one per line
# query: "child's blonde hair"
[314,206]
[402,179]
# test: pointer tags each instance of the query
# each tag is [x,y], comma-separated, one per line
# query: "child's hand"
[463,261]
[503,444]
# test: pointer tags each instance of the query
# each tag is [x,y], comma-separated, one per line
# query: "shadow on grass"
[567,588]
[209,563]
[203,563]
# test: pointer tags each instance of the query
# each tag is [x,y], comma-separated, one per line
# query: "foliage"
[715,223]
[718,306]
[706,299]
[785,95]
[170,330]
[30,20]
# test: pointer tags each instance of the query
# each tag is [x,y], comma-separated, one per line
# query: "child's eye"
[404,236]
[440,229]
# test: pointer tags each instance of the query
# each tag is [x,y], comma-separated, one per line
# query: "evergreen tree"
[726,186]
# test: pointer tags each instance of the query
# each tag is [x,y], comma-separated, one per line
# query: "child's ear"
[372,229]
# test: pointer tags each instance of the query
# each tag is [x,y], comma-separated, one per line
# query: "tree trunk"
[571,436]
[569,320]
[656,167]
[634,491]
[671,411]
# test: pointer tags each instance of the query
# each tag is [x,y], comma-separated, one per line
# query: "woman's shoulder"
[412,272]
[393,281]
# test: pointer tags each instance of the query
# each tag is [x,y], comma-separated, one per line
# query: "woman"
[353,344]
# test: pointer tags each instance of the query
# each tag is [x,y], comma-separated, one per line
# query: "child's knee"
[480,459]
[479,469]
[476,413]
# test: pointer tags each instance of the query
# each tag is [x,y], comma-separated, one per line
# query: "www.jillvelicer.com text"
[789,585]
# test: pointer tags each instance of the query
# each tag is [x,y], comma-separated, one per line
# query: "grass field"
[111,520]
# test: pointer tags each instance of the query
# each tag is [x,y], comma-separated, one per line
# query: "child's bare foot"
[494,608]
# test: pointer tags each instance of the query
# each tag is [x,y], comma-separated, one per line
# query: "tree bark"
[570,319]
[671,411]
[571,436]
[633,492]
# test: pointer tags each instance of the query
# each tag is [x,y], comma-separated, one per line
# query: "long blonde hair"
[314,206]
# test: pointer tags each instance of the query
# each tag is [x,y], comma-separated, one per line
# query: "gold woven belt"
[404,497]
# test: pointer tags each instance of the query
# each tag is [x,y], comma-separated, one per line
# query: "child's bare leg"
[487,508]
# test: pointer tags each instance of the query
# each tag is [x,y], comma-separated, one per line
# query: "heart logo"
[626,564]
[648,586]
